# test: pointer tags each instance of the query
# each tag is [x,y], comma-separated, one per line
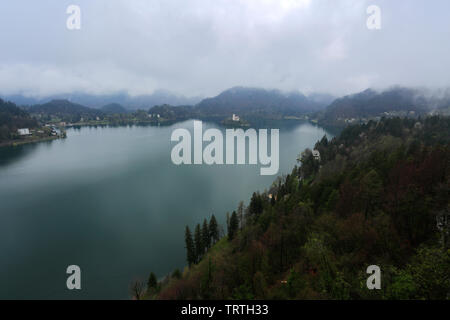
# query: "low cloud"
[201,47]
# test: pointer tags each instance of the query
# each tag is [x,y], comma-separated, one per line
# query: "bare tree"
[137,289]
[240,214]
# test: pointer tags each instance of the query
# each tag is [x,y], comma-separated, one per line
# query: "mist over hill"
[252,101]
[114,108]
[252,105]
[395,101]
[97,101]
[321,99]
[370,102]
[64,110]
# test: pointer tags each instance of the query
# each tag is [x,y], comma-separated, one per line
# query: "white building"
[23,132]
[235,117]
[316,155]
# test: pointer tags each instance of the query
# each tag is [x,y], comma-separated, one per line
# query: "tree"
[372,187]
[152,281]
[213,230]
[256,204]
[190,248]
[137,289]
[309,165]
[240,214]
[324,141]
[234,226]
[176,274]
[199,249]
[206,239]
[429,269]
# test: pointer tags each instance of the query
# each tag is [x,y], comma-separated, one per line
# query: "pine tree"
[190,248]
[205,236]
[199,250]
[213,230]
[176,274]
[233,226]
[256,204]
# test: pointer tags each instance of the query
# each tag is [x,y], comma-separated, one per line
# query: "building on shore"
[23,132]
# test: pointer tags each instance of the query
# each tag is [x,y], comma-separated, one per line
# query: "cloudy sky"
[201,47]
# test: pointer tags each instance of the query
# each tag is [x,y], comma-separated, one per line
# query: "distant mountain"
[254,105]
[256,101]
[173,113]
[159,97]
[65,111]
[370,103]
[114,108]
[13,118]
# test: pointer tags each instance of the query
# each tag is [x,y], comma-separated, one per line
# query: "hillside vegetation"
[64,110]
[13,118]
[378,196]
[255,102]
[370,104]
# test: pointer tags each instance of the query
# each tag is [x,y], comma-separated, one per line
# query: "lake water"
[110,200]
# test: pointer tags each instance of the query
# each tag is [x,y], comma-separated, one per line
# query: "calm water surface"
[111,201]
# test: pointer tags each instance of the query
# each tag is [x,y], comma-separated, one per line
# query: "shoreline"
[15,143]
[164,122]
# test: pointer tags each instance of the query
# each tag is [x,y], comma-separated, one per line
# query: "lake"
[110,200]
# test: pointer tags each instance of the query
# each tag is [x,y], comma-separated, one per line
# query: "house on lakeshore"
[23,132]
[55,131]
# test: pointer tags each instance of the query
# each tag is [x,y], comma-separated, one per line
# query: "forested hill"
[259,102]
[374,198]
[371,104]
[13,118]
[65,110]
[113,108]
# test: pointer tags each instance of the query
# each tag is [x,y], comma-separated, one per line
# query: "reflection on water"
[9,155]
